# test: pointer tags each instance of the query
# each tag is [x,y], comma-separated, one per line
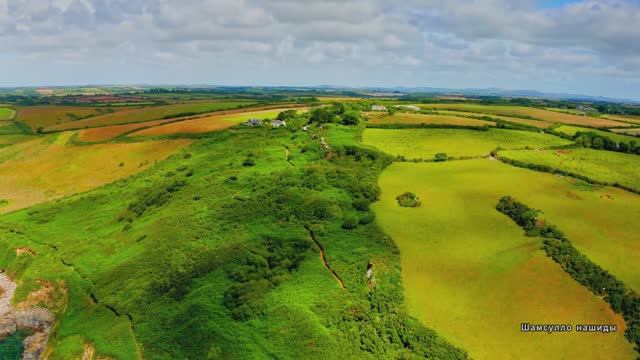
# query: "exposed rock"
[7,327]
[34,345]
[88,352]
[36,319]
[25,251]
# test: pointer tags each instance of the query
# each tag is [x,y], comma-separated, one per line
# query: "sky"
[579,47]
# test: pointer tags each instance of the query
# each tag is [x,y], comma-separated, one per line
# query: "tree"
[350,118]
[321,116]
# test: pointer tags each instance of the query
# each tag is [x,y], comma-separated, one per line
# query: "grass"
[408,118]
[635,119]
[572,130]
[425,143]
[104,133]
[170,260]
[150,113]
[6,113]
[51,115]
[207,124]
[534,113]
[41,170]
[602,166]
[471,274]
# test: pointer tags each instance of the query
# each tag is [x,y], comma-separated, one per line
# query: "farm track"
[323,257]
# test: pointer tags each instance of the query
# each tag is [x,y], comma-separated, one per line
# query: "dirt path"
[323,257]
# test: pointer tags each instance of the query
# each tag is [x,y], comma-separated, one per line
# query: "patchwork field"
[627,118]
[105,133]
[604,166]
[572,130]
[537,123]
[207,124]
[6,114]
[471,274]
[634,132]
[411,118]
[6,140]
[425,143]
[539,114]
[47,116]
[40,170]
[150,113]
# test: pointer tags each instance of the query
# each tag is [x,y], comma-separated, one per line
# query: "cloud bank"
[586,46]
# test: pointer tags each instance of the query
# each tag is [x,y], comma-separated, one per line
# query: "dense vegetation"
[212,257]
[560,249]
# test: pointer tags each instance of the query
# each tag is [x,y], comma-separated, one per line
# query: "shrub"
[441,157]
[408,199]
[248,162]
[367,218]
[350,222]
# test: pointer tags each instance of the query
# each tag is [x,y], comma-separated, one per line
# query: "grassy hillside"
[41,117]
[417,119]
[572,130]
[425,143]
[235,248]
[6,113]
[471,274]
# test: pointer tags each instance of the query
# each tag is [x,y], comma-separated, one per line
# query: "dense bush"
[439,157]
[258,270]
[622,300]
[154,197]
[408,199]
[350,222]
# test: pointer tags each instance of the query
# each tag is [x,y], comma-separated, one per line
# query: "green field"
[150,113]
[472,275]
[425,143]
[6,113]
[572,130]
[603,166]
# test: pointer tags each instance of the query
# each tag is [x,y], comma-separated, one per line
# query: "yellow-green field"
[411,118]
[572,130]
[6,113]
[425,143]
[534,113]
[149,113]
[471,274]
[604,166]
[40,170]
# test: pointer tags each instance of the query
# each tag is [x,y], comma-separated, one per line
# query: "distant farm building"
[278,123]
[252,122]
[378,108]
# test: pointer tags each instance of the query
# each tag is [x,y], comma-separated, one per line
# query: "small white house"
[305,128]
[278,123]
[378,108]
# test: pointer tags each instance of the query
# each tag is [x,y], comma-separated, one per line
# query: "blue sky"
[584,47]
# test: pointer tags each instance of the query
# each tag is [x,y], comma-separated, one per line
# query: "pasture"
[635,119]
[137,115]
[40,170]
[530,122]
[425,143]
[6,114]
[206,124]
[51,115]
[105,133]
[572,130]
[533,113]
[603,166]
[471,274]
[633,132]
[417,119]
